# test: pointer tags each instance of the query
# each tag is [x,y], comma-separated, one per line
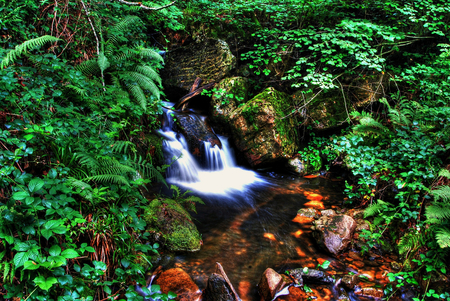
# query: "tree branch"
[146,7]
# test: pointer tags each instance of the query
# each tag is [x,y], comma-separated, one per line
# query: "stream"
[249,221]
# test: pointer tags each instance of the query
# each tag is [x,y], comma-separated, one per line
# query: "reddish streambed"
[259,228]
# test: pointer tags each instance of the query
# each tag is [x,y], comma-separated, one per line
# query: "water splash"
[220,176]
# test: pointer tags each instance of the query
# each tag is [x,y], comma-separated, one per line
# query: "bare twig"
[146,7]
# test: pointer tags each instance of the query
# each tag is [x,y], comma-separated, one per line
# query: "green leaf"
[66,279]
[70,253]
[31,265]
[46,233]
[28,137]
[20,258]
[99,265]
[45,284]
[172,295]
[55,250]
[125,262]
[52,173]
[20,195]
[29,230]
[35,184]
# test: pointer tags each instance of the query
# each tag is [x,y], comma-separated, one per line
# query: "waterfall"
[220,173]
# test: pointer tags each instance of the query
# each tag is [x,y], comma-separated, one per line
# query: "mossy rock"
[210,60]
[326,110]
[263,130]
[230,93]
[169,218]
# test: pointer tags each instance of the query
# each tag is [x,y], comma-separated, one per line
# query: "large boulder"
[262,129]
[334,233]
[210,60]
[168,218]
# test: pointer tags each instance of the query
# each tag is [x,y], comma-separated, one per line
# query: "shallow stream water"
[257,229]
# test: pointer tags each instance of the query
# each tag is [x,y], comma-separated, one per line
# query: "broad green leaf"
[20,195]
[20,258]
[55,250]
[45,284]
[35,184]
[66,279]
[46,233]
[99,265]
[31,265]
[70,253]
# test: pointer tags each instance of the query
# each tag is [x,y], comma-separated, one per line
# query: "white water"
[221,175]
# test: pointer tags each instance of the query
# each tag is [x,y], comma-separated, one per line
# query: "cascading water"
[220,175]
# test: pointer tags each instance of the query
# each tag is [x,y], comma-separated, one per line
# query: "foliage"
[72,180]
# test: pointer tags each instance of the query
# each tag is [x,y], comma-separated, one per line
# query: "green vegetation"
[80,91]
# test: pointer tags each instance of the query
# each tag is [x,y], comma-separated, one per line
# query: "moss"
[174,223]
[285,125]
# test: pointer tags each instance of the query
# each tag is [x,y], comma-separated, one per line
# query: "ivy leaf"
[46,233]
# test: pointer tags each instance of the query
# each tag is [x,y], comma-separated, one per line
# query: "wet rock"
[334,233]
[328,212]
[308,212]
[306,275]
[217,289]
[271,283]
[210,60]
[168,218]
[355,255]
[342,294]
[349,281]
[369,292]
[358,264]
[197,131]
[297,165]
[261,131]
[362,225]
[178,281]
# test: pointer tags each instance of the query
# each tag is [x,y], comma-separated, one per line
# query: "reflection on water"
[258,228]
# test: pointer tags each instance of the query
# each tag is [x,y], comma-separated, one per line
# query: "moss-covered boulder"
[173,222]
[210,60]
[262,128]
[230,93]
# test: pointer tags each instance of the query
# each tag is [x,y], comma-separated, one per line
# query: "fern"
[442,193]
[143,81]
[375,208]
[444,173]
[149,73]
[122,146]
[82,188]
[443,237]
[409,242]
[12,55]
[437,212]
[139,95]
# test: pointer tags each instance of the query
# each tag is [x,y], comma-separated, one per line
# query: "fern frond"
[89,68]
[146,169]
[122,27]
[87,160]
[143,81]
[150,54]
[82,188]
[122,146]
[444,173]
[149,72]
[408,242]
[78,90]
[139,95]
[375,208]
[437,212]
[13,54]
[368,125]
[442,193]
[109,178]
[443,237]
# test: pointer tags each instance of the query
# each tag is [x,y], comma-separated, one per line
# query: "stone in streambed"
[334,233]
[271,283]
[217,289]
[178,281]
